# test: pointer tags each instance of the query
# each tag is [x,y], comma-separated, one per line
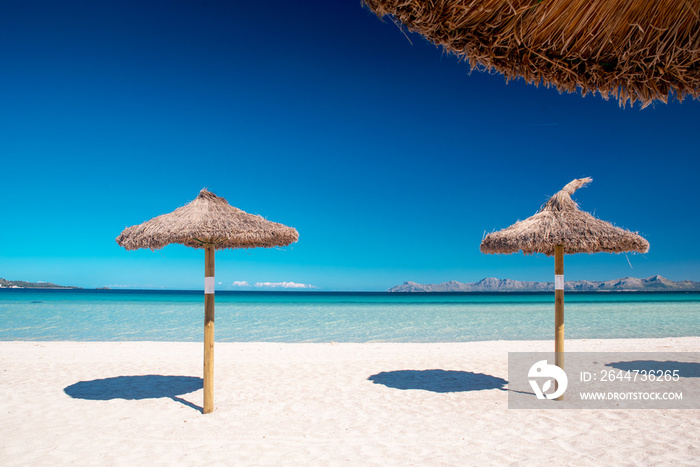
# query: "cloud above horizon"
[285,285]
[275,285]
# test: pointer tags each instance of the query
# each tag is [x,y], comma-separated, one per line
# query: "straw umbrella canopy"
[208,222]
[559,228]
[560,222]
[628,49]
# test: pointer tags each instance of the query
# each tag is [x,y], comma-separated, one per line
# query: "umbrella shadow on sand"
[137,388]
[441,381]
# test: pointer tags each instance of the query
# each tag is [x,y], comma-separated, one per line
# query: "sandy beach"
[138,403]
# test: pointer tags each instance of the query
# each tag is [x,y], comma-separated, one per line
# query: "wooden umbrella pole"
[559,306]
[208,329]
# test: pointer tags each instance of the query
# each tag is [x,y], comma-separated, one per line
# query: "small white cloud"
[240,284]
[285,285]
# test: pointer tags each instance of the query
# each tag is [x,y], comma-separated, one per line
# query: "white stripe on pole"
[559,282]
[209,285]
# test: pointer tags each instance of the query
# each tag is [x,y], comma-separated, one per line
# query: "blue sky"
[389,157]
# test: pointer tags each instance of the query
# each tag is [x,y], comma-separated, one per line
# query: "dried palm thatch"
[207,220]
[560,222]
[628,49]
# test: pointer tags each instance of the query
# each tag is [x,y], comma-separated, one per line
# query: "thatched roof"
[208,219]
[628,49]
[560,222]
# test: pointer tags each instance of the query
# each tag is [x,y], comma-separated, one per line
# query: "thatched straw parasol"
[628,49]
[559,227]
[208,222]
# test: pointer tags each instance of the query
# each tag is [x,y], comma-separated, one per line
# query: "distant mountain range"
[491,284]
[5,284]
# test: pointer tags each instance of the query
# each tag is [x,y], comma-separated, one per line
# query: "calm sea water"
[131,315]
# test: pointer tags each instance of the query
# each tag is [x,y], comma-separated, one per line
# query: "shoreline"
[320,292]
[297,403]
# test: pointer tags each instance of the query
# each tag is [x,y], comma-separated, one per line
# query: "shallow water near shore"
[146,315]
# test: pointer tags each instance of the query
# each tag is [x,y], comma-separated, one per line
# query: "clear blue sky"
[389,157]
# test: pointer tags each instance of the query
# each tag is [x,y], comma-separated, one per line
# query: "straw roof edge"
[207,220]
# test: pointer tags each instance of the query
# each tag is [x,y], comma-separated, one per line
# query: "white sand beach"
[128,403]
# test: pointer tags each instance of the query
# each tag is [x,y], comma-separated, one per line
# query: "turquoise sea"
[144,315]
